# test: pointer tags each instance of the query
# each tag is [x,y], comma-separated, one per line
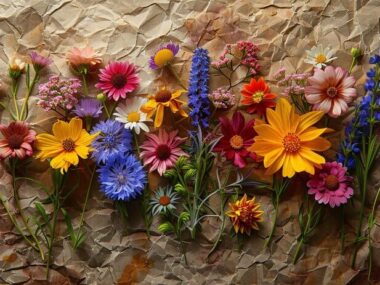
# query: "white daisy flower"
[130,115]
[163,200]
[16,64]
[319,56]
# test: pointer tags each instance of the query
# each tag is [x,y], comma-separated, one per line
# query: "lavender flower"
[39,61]
[58,93]
[88,107]
[222,98]
[198,89]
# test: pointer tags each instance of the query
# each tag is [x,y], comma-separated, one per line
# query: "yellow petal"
[159,116]
[61,130]
[58,161]
[85,138]
[297,162]
[309,119]
[318,144]
[276,165]
[311,134]
[272,156]
[312,156]
[275,121]
[71,157]
[82,151]
[75,127]
[284,109]
[268,132]
[178,93]
[262,146]
[148,106]
[287,169]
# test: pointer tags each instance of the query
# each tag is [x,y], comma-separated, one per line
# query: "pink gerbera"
[162,151]
[17,140]
[118,79]
[331,90]
[331,184]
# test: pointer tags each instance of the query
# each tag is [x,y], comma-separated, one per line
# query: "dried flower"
[39,61]
[83,60]
[222,98]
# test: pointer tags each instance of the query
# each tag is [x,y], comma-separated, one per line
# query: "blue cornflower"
[375,59]
[112,141]
[198,88]
[122,178]
[369,84]
[88,107]
[371,73]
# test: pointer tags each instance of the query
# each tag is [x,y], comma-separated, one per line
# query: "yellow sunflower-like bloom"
[289,140]
[68,142]
[161,100]
[245,215]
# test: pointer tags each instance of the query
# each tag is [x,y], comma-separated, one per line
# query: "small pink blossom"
[222,98]
[331,184]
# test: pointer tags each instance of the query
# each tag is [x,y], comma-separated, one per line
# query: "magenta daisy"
[118,79]
[162,151]
[331,184]
[164,55]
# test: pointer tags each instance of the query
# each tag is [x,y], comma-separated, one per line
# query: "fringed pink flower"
[162,151]
[331,184]
[331,90]
[17,140]
[84,58]
[118,79]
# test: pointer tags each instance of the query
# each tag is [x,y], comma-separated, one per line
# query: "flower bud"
[356,52]
[101,97]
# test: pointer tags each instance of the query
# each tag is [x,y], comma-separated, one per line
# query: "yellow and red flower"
[245,215]
[257,96]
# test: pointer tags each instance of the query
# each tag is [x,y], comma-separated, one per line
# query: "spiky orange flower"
[245,215]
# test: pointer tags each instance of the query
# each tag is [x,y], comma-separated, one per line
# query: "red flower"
[237,137]
[17,141]
[257,96]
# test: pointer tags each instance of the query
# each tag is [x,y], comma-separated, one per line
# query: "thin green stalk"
[302,237]
[26,100]
[52,237]
[371,225]
[106,109]
[353,63]
[85,88]
[274,221]
[14,91]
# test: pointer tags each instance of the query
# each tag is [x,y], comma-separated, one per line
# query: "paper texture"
[117,252]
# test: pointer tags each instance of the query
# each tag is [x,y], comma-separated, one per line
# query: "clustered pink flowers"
[245,51]
[294,83]
[58,93]
[222,98]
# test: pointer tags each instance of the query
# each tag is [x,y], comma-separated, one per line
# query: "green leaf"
[170,173]
[69,225]
[184,217]
[166,227]
[180,188]
[190,174]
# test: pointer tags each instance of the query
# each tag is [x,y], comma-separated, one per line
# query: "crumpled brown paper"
[119,252]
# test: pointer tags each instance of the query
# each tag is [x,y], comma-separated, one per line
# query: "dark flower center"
[68,145]
[331,182]
[163,96]
[109,141]
[332,92]
[163,151]
[121,178]
[118,81]
[164,200]
[15,140]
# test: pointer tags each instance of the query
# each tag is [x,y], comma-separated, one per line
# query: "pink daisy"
[162,151]
[118,79]
[17,140]
[330,90]
[331,184]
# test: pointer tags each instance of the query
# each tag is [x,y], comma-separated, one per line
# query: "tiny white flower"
[16,63]
[319,56]
[163,200]
[130,115]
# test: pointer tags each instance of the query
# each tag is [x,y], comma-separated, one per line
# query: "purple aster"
[39,61]
[163,55]
[88,107]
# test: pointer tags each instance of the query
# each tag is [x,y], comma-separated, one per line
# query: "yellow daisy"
[161,100]
[68,142]
[290,140]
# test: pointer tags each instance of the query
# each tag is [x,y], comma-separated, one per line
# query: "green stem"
[298,250]
[106,109]
[273,222]
[85,88]
[353,63]
[14,91]
[52,237]
[26,100]
[136,140]
[302,237]
[372,224]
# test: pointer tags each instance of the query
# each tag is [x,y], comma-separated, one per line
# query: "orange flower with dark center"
[245,215]
[257,96]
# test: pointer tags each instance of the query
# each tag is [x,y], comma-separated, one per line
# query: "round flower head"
[85,58]
[68,142]
[118,79]
[122,178]
[331,90]
[163,56]
[17,140]
[16,67]
[257,96]
[289,141]
[331,185]
[319,56]
[245,215]
[222,98]
[88,107]
[163,200]
[161,100]
[162,151]
[237,137]
[130,115]
[113,140]
[39,61]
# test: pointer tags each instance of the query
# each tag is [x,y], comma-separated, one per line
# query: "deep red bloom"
[17,141]
[237,137]
[257,96]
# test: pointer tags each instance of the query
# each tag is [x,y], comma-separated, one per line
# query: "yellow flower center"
[331,182]
[68,145]
[133,117]
[320,58]
[291,143]
[163,96]
[164,200]
[163,56]
[258,96]
[236,142]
